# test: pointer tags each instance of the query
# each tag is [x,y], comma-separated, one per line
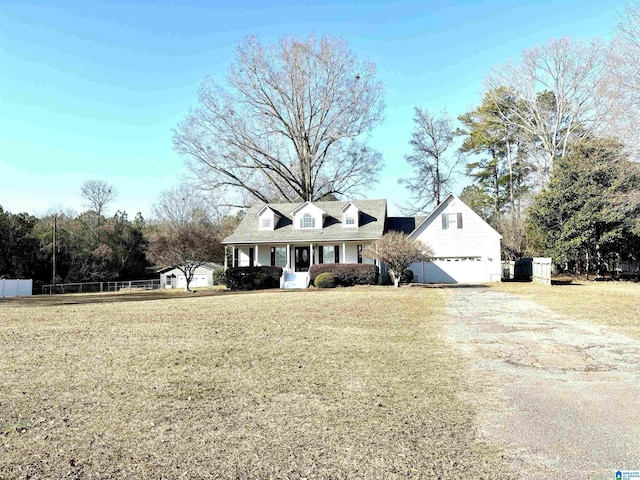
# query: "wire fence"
[97,287]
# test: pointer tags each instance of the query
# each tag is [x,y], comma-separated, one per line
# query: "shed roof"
[207,265]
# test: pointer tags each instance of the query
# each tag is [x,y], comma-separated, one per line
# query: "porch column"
[311,254]
[256,257]
[344,252]
[225,259]
[288,265]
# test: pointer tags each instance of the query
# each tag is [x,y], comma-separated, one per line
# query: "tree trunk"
[511,196]
[395,278]
[496,186]
[586,270]
[437,177]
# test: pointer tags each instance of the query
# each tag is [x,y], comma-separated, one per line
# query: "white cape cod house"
[295,236]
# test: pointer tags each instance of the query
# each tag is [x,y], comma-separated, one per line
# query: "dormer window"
[308,216]
[267,218]
[350,215]
[307,221]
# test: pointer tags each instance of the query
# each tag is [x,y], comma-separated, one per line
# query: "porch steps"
[296,280]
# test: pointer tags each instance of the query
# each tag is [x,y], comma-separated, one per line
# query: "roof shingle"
[372,224]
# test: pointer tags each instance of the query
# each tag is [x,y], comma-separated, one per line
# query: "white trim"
[436,212]
[304,205]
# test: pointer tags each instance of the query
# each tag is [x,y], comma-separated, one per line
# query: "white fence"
[16,288]
[537,269]
[95,287]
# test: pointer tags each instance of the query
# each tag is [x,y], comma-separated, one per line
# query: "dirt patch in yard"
[566,393]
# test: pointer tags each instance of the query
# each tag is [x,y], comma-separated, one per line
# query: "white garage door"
[451,270]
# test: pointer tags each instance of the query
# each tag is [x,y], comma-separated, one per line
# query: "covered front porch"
[295,258]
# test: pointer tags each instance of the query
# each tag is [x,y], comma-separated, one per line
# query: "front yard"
[606,303]
[348,383]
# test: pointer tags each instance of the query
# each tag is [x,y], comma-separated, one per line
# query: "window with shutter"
[451,220]
[329,254]
[281,257]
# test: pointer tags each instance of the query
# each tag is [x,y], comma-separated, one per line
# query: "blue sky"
[92,90]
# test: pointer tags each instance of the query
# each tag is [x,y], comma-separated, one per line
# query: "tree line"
[92,246]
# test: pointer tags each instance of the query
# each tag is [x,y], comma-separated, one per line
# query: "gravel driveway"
[562,396]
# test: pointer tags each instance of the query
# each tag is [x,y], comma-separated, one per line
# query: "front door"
[302,259]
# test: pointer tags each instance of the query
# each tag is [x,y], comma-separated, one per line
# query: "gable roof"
[372,224]
[347,205]
[300,207]
[207,265]
[267,207]
[443,204]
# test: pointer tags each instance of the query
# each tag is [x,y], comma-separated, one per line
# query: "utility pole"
[55,218]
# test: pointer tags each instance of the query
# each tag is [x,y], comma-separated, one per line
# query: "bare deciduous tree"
[185,203]
[624,78]
[287,126]
[398,251]
[432,168]
[558,91]
[186,247]
[97,195]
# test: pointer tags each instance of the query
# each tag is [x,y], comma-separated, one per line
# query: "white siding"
[470,254]
[203,277]
[268,214]
[351,253]
[353,211]
[312,210]
[264,255]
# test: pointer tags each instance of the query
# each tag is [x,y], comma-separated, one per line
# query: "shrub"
[325,280]
[247,282]
[406,277]
[219,277]
[261,280]
[346,274]
[253,278]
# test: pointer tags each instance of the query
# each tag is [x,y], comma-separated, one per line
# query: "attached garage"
[451,270]
[466,249]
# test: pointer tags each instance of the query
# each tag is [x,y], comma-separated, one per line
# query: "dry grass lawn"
[348,383]
[608,303]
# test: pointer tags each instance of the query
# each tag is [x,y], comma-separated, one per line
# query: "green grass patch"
[346,383]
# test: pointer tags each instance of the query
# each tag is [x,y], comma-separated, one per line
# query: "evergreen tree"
[583,213]
[499,167]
